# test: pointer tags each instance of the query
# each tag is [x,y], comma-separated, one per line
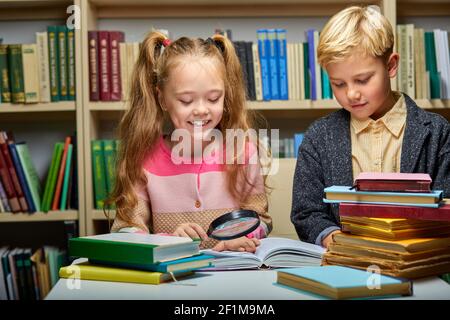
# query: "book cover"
[63,62]
[7,183]
[337,194]
[87,271]
[60,175]
[250,68]
[104,60]
[274,64]
[71,76]
[98,173]
[133,248]
[282,63]
[257,72]
[31,73]
[115,38]
[52,176]
[53,58]
[4,197]
[5,87]
[15,67]
[73,203]
[393,182]
[312,64]
[307,72]
[65,185]
[430,57]
[94,75]
[44,67]
[109,164]
[442,213]
[30,172]
[264,52]
[338,282]
[124,69]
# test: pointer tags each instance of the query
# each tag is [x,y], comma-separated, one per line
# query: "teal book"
[133,248]
[184,264]
[431,66]
[326,92]
[338,282]
[65,187]
[337,194]
[306,74]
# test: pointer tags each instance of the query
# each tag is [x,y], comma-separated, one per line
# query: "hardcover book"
[393,182]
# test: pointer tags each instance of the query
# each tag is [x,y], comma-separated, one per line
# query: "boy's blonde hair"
[360,29]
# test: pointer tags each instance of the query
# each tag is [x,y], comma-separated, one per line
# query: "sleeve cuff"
[325,233]
[260,232]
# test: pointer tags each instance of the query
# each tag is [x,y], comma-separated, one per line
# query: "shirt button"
[197,204]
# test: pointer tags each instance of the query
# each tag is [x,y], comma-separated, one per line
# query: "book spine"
[3,196]
[99,174]
[312,64]
[31,73]
[109,164]
[16,73]
[53,54]
[4,73]
[63,68]
[65,186]
[410,71]
[44,75]
[104,59]
[60,175]
[124,69]
[307,73]
[282,59]
[274,64]
[30,174]
[257,73]
[94,80]
[317,66]
[71,76]
[240,51]
[326,93]
[115,38]
[51,177]
[13,173]
[74,190]
[250,67]
[263,49]
[13,201]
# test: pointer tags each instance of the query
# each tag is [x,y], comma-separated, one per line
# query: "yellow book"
[406,246]
[393,224]
[86,271]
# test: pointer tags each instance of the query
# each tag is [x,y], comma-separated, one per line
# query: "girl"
[198,85]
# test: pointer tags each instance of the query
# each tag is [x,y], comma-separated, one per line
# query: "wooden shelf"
[34,9]
[100,215]
[39,216]
[38,107]
[424,8]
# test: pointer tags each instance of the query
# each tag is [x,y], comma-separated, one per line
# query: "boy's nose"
[353,94]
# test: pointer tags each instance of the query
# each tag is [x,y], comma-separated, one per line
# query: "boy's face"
[194,95]
[361,84]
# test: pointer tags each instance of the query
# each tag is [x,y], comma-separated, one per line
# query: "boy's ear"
[392,64]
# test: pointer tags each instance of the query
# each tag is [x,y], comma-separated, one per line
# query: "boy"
[378,130]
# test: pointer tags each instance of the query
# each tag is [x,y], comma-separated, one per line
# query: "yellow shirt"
[377,144]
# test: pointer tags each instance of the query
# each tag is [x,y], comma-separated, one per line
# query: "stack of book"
[403,227]
[134,257]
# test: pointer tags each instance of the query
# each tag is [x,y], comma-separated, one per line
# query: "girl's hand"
[329,239]
[242,244]
[190,230]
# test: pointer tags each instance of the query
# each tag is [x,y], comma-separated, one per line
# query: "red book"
[393,182]
[395,212]
[104,60]
[116,37]
[8,185]
[12,173]
[94,80]
[59,182]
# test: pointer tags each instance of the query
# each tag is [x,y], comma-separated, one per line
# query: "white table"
[223,285]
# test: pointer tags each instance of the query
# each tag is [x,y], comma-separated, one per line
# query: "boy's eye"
[338,85]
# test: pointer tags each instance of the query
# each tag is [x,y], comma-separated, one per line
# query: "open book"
[271,253]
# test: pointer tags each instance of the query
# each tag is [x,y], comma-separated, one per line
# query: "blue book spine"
[273,62]
[282,60]
[21,176]
[326,93]
[312,67]
[298,138]
[263,50]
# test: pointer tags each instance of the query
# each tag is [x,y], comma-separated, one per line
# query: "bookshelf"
[136,16]
[98,120]
[41,124]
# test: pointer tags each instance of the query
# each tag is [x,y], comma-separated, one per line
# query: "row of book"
[20,187]
[103,154]
[40,72]
[424,70]
[393,223]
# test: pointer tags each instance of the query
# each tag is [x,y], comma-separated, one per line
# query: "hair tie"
[166,42]
[218,44]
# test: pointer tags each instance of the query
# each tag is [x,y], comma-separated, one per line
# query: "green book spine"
[99,173]
[5,89]
[431,65]
[326,94]
[110,164]
[53,62]
[66,178]
[63,63]
[71,82]
[306,75]
[51,177]
[16,73]
[31,175]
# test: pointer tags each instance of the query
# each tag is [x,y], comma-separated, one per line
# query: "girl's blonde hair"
[142,124]
[357,29]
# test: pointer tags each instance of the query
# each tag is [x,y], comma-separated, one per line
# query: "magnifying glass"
[234,224]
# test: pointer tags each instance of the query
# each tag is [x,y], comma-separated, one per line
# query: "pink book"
[104,59]
[393,182]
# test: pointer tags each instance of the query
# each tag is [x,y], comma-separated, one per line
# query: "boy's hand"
[242,244]
[190,230]
[329,239]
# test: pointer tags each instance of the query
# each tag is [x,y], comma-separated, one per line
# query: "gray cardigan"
[325,159]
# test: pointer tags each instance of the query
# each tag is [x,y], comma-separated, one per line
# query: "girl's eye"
[363,81]
[186,103]
[214,100]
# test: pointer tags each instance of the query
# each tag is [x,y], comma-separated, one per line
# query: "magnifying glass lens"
[234,224]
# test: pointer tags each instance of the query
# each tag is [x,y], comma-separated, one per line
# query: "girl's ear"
[160,99]
[392,64]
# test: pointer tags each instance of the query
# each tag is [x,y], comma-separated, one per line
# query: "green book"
[53,60]
[133,248]
[65,186]
[110,164]
[15,66]
[306,74]
[5,89]
[98,173]
[31,175]
[63,63]
[71,82]
[51,177]
[431,66]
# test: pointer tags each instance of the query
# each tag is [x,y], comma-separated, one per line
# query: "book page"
[139,238]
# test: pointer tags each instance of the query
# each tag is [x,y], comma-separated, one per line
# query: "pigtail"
[140,127]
